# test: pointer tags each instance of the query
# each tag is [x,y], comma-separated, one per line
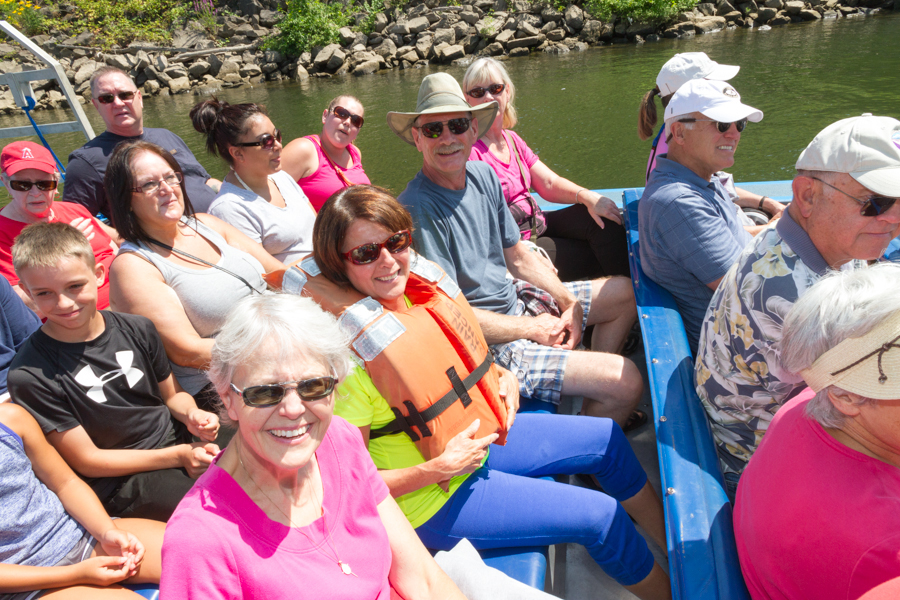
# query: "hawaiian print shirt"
[738,372]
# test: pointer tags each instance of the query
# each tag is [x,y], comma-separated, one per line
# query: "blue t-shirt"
[87,166]
[690,236]
[17,322]
[465,232]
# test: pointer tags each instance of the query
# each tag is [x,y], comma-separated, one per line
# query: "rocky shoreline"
[422,33]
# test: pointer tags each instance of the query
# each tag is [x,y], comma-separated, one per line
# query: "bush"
[119,23]
[638,10]
[308,23]
[23,15]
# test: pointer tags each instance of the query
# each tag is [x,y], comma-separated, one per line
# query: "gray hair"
[294,324]
[103,72]
[488,70]
[842,305]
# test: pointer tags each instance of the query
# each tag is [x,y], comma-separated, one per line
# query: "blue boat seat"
[147,590]
[526,564]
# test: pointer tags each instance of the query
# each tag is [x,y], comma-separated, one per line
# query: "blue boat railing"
[703,560]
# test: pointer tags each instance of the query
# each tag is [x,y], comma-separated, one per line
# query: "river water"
[579,111]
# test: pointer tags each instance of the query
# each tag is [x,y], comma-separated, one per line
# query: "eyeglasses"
[871,207]
[434,129]
[152,186]
[495,89]
[110,98]
[369,253]
[343,114]
[24,186]
[266,140]
[270,395]
[722,127]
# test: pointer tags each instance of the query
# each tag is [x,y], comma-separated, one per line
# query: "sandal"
[636,419]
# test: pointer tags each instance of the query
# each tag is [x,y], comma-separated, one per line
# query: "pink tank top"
[328,179]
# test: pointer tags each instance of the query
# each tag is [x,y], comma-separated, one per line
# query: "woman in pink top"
[323,164]
[586,240]
[294,505]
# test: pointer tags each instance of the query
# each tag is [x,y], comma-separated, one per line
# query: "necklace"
[345,568]
[246,187]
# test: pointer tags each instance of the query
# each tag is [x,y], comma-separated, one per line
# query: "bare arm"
[714,285]
[499,328]
[113,234]
[238,240]
[554,188]
[414,573]
[299,159]
[214,183]
[747,199]
[137,287]
[203,424]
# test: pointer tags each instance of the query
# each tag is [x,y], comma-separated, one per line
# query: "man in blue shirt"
[17,323]
[535,322]
[689,229]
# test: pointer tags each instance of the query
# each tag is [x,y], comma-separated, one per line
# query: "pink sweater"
[219,543]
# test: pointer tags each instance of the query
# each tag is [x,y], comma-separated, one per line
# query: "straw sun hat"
[440,93]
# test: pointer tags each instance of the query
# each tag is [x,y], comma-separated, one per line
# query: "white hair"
[842,305]
[294,324]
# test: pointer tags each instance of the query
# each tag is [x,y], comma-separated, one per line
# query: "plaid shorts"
[538,368]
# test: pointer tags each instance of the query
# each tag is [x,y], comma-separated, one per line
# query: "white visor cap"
[686,66]
[715,100]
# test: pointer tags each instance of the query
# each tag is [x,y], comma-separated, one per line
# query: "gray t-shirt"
[285,233]
[465,232]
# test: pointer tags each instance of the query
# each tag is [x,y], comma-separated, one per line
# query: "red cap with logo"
[26,155]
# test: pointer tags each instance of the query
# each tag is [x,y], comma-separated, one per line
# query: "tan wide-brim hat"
[440,93]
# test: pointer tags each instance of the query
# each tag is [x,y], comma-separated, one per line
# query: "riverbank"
[205,58]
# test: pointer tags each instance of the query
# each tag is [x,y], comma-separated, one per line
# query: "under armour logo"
[26,153]
[87,378]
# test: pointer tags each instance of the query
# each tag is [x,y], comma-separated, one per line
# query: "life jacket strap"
[459,391]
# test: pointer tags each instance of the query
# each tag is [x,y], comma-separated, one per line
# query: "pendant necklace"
[246,187]
[345,568]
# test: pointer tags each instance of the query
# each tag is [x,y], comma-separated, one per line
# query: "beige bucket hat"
[440,93]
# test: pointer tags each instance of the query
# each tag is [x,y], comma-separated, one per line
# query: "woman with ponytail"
[256,197]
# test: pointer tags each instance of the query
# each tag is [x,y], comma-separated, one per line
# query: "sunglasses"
[871,207]
[270,395]
[722,127]
[110,98]
[434,129]
[495,89]
[369,253]
[266,140]
[343,114]
[24,186]
[152,186]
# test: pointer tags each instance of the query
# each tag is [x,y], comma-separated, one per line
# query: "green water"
[579,111]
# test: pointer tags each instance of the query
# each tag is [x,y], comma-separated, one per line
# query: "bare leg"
[654,587]
[92,592]
[150,533]
[613,312]
[611,384]
[647,510]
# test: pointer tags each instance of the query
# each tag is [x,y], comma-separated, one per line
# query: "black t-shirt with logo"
[109,385]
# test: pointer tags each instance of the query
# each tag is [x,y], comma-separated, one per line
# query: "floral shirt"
[738,372]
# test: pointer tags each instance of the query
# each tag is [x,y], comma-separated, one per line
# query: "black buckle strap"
[459,391]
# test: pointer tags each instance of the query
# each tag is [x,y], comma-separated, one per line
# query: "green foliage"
[23,14]
[308,23]
[637,10]
[370,8]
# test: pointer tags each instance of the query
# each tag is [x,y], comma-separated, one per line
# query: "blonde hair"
[45,244]
[488,70]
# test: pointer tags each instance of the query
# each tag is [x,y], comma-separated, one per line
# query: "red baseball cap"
[26,155]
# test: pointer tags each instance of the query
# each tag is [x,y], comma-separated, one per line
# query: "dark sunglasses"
[369,253]
[344,114]
[110,98]
[24,186]
[722,127]
[266,140]
[871,207]
[495,89]
[436,128]
[151,186]
[270,395]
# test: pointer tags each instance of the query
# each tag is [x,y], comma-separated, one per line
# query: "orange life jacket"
[430,361]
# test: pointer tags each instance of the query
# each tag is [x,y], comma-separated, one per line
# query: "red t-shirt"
[814,518]
[65,212]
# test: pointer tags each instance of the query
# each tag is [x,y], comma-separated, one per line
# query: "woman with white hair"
[294,500]
[818,507]
[584,241]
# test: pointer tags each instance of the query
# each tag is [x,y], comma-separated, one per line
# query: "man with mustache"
[689,229]
[844,213]
[533,322]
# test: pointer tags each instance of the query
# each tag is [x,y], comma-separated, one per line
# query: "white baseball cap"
[714,99]
[686,66]
[865,147]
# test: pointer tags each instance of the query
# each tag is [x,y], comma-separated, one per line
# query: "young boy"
[100,386]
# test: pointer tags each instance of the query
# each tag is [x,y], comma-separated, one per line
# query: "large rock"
[418,25]
[381,22]
[810,15]
[527,30]
[469,16]
[117,60]
[335,62]
[298,72]
[574,17]
[151,87]
[776,4]
[141,60]
[188,38]
[766,13]
[679,30]
[387,49]
[252,69]
[505,36]
[470,43]
[557,49]
[489,27]
[366,67]
[516,52]
[452,53]
[493,49]
[460,29]
[723,7]
[85,71]
[641,29]
[409,55]
[198,69]
[793,7]
[782,18]
[556,35]
[268,18]
[179,85]
[424,47]
[400,28]
[525,42]
[734,15]
[444,36]
[591,32]
[347,36]
[176,71]
[709,24]
[161,63]
[324,55]
[228,66]
[551,14]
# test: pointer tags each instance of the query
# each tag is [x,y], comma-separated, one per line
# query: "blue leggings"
[500,505]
